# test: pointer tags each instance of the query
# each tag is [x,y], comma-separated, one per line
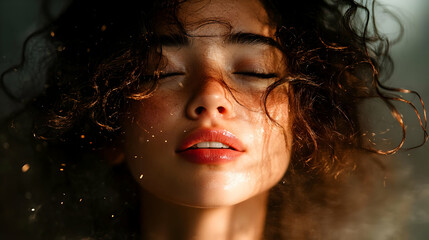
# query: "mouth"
[210,146]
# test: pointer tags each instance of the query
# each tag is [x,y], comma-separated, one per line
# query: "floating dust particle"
[82,136]
[33,209]
[6,145]
[63,164]
[88,50]
[61,48]
[135,156]
[25,167]
[61,169]
[141,176]
[90,143]
[103,28]
[113,215]
[52,34]
[80,199]
[61,203]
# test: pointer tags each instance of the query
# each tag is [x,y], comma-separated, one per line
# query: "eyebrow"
[179,40]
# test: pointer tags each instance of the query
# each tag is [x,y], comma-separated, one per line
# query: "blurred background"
[19,18]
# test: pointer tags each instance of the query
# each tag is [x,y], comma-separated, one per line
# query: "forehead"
[220,17]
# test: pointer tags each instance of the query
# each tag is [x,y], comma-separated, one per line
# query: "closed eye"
[171,74]
[257,75]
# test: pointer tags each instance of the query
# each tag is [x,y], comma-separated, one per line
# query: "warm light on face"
[193,103]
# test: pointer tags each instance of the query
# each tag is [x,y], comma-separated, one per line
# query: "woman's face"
[196,143]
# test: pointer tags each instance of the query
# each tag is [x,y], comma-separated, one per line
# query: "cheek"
[153,112]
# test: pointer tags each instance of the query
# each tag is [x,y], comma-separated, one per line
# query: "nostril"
[221,109]
[199,110]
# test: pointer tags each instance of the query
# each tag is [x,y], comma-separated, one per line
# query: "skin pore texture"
[186,200]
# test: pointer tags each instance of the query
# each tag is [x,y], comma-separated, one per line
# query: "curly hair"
[335,60]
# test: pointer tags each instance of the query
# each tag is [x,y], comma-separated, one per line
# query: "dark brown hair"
[336,59]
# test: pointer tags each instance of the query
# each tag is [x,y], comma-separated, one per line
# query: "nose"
[210,100]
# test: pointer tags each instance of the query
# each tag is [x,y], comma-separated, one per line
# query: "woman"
[236,119]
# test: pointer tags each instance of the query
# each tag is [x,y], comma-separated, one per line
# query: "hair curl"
[335,57]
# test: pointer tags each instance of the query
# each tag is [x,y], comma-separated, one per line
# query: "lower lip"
[210,156]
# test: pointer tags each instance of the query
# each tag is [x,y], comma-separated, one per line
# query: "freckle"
[25,167]
[141,176]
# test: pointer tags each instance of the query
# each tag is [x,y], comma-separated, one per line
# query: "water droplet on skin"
[25,167]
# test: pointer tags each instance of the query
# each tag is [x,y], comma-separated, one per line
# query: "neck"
[165,220]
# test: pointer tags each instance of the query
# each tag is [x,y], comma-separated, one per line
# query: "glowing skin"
[193,97]
[162,121]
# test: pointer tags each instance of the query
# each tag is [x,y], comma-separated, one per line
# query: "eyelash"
[258,75]
[165,75]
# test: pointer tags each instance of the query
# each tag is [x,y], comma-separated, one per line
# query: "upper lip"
[211,135]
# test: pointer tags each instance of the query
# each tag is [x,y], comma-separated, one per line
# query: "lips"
[205,153]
